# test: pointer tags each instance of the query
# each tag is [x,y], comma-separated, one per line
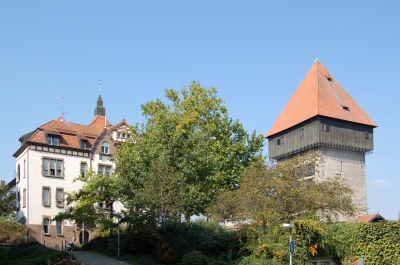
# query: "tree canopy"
[193,139]
[7,202]
[94,203]
[291,189]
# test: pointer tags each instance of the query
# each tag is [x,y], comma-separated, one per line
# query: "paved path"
[90,257]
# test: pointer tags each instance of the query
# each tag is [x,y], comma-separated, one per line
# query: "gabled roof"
[319,94]
[70,133]
[370,218]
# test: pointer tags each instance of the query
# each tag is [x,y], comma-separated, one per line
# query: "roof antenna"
[62,106]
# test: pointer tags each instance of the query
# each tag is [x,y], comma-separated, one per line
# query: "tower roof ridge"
[319,94]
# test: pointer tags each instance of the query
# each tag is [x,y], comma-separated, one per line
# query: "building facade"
[48,161]
[322,116]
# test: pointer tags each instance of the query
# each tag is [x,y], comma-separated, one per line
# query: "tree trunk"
[187,217]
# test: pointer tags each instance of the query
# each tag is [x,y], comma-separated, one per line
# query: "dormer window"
[53,140]
[84,144]
[345,108]
[104,148]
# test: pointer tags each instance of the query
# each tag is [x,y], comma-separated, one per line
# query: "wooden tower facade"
[322,116]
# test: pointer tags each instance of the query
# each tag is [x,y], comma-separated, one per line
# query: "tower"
[100,110]
[322,116]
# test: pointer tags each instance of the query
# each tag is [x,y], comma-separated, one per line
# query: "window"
[24,168]
[310,170]
[52,167]
[53,140]
[24,198]
[129,136]
[282,140]
[119,135]
[46,196]
[103,204]
[302,133]
[18,172]
[18,202]
[83,169]
[46,226]
[124,135]
[368,135]
[84,144]
[104,148]
[325,127]
[104,170]
[60,197]
[59,228]
[346,108]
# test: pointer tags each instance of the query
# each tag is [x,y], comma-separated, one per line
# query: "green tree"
[7,202]
[291,189]
[194,137]
[83,205]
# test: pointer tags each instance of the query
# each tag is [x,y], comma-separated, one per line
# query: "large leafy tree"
[7,201]
[289,189]
[84,204]
[201,147]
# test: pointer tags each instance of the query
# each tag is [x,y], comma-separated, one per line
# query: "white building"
[50,158]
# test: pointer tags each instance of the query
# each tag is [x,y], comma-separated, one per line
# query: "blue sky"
[255,52]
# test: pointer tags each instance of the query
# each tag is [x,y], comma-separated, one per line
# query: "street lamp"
[291,243]
[118,215]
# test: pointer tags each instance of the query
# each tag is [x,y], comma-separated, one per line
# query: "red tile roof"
[369,218]
[319,94]
[70,133]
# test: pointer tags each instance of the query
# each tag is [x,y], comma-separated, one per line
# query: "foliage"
[340,240]
[194,257]
[378,243]
[267,243]
[7,202]
[34,253]
[10,230]
[83,204]
[201,149]
[208,238]
[289,189]
[65,261]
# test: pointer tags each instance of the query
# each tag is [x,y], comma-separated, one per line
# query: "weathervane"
[99,87]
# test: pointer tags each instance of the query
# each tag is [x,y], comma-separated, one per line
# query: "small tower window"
[368,135]
[301,132]
[280,141]
[324,127]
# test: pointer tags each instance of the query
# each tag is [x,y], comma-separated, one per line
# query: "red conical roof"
[319,94]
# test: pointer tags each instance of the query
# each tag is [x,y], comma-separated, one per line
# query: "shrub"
[65,261]
[34,253]
[10,231]
[194,257]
